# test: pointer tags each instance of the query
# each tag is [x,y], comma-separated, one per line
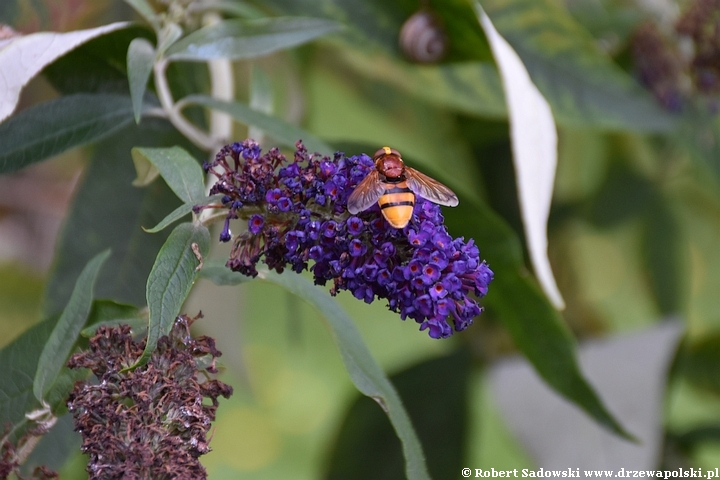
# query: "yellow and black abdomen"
[397,203]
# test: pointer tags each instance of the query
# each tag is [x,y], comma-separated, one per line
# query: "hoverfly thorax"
[391,167]
[393,185]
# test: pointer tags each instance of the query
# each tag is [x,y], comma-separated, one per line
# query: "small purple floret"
[297,216]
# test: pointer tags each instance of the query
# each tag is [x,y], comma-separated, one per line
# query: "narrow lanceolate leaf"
[178,168]
[25,56]
[145,11]
[538,331]
[180,212]
[171,278]
[223,276]
[140,60]
[242,39]
[67,328]
[365,373]
[170,34]
[285,133]
[534,143]
[53,127]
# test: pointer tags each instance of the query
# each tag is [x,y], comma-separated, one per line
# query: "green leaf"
[110,313]
[105,310]
[98,66]
[178,168]
[146,11]
[538,331]
[55,447]
[365,373]
[285,133]
[140,60]
[170,280]
[48,129]
[469,87]
[233,8]
[583,85]
[170,34]
[107,313]
[698,362]
[19,360]
[138,325]
[366,447]
[67,329]
[662,254]
[242,39]
[174,216]
[180,212]
[515,300]
[108,212]
[223,276]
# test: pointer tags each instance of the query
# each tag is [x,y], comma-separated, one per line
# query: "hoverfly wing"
[429,188]
[367,193]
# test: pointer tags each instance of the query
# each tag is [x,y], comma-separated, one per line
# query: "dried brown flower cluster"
[701,22]
[150,422]
[674,74]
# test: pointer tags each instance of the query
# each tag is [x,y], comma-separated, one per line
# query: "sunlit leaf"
[534,142]
[25,56]
[240,39]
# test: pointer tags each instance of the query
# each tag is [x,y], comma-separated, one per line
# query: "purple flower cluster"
[297,215]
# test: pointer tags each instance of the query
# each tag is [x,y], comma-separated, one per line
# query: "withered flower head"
[150,422]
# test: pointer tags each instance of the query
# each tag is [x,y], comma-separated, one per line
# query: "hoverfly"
[393,185]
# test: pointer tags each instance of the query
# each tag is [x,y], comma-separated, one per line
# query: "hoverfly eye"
[395,152]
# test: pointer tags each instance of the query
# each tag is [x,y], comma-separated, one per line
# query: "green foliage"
[435,394]
[171,278]
[48,129]
[68,327]
[283,132]
[242,39]
[632,230]
[366,374]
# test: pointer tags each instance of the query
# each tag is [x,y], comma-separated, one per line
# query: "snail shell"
[422,38]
